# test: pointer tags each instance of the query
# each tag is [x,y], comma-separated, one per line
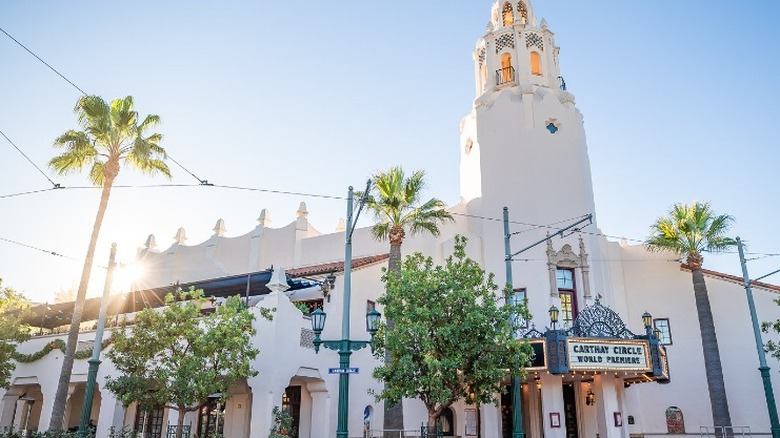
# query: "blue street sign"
[354,370]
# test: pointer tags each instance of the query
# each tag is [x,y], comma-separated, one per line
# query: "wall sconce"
[590,398]
[538,383]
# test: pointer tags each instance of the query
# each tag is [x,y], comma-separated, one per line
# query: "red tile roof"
[327,268]
[733,278]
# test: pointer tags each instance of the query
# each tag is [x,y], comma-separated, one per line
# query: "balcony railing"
[505,75]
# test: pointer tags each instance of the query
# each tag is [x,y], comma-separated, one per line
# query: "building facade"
[523,148]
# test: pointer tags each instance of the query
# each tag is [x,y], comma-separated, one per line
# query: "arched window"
[506,15]
[536,64]
[523,11]
[507,73]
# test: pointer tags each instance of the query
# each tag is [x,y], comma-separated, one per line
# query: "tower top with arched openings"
[515,51]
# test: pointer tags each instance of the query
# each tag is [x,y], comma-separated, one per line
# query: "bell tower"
[523,146]
[523,143]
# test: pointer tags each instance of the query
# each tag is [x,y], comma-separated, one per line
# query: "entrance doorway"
[570,411]
[291,404]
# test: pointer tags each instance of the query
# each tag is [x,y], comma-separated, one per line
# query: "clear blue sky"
[679,99]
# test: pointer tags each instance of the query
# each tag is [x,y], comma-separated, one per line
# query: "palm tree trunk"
[709,343]
[60,399]
[394,415]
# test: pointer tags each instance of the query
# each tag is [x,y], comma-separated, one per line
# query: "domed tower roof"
[515,51]
[509,12]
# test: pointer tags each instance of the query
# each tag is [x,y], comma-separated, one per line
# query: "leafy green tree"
[112,135]
[396,201]
[12,331]
[688,231]
[451,339]
[177,357]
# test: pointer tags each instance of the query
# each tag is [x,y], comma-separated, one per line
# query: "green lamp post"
[345,346]
[94,362]
[763,368]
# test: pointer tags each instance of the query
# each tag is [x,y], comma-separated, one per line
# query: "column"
[320,413]
[490,420]
[552,403]
[607,405]
[22,413]
[111,414]
[8,407]
[534,408]
[262,405]
[71,390]
[48,404]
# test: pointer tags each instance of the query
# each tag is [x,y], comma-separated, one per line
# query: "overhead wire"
[201,181]
[44,62]
[54,253]
[55,185]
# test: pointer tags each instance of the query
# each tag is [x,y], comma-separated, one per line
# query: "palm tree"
[688,231]
[111,136]
[395,200]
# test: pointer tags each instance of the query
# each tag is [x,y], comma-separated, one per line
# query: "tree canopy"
[689,230]
[451,338]
[12,330]
[177,357]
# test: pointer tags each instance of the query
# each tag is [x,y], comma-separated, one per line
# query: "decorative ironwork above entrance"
[598,321]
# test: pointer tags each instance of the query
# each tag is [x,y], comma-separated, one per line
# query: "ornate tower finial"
[219,228]
[180,237]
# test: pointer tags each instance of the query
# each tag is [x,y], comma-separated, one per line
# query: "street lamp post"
[94,362]
[345,346]
[762,366]
[517,412]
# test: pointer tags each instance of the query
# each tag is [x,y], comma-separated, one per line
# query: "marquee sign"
[603,354]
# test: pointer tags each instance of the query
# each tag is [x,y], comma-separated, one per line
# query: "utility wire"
[56,186]
[38,249]
[13,195]
[281,192]
[201,181]
[44,62]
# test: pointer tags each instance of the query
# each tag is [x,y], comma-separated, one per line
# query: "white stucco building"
[522,147]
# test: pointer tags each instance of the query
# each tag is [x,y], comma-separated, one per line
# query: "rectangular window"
[568,294]
[149,423]
[567,308]
[662,324]
[519,297]
[565,278]
[471,422]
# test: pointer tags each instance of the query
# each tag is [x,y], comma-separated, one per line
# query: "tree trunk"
[709,343]
[394,415]
[60,399]
[180,422]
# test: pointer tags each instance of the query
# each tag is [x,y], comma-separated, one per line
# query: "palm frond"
[96,173]
[690,229]
[112,131]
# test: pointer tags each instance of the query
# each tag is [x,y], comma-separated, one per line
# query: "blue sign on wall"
[353,370]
